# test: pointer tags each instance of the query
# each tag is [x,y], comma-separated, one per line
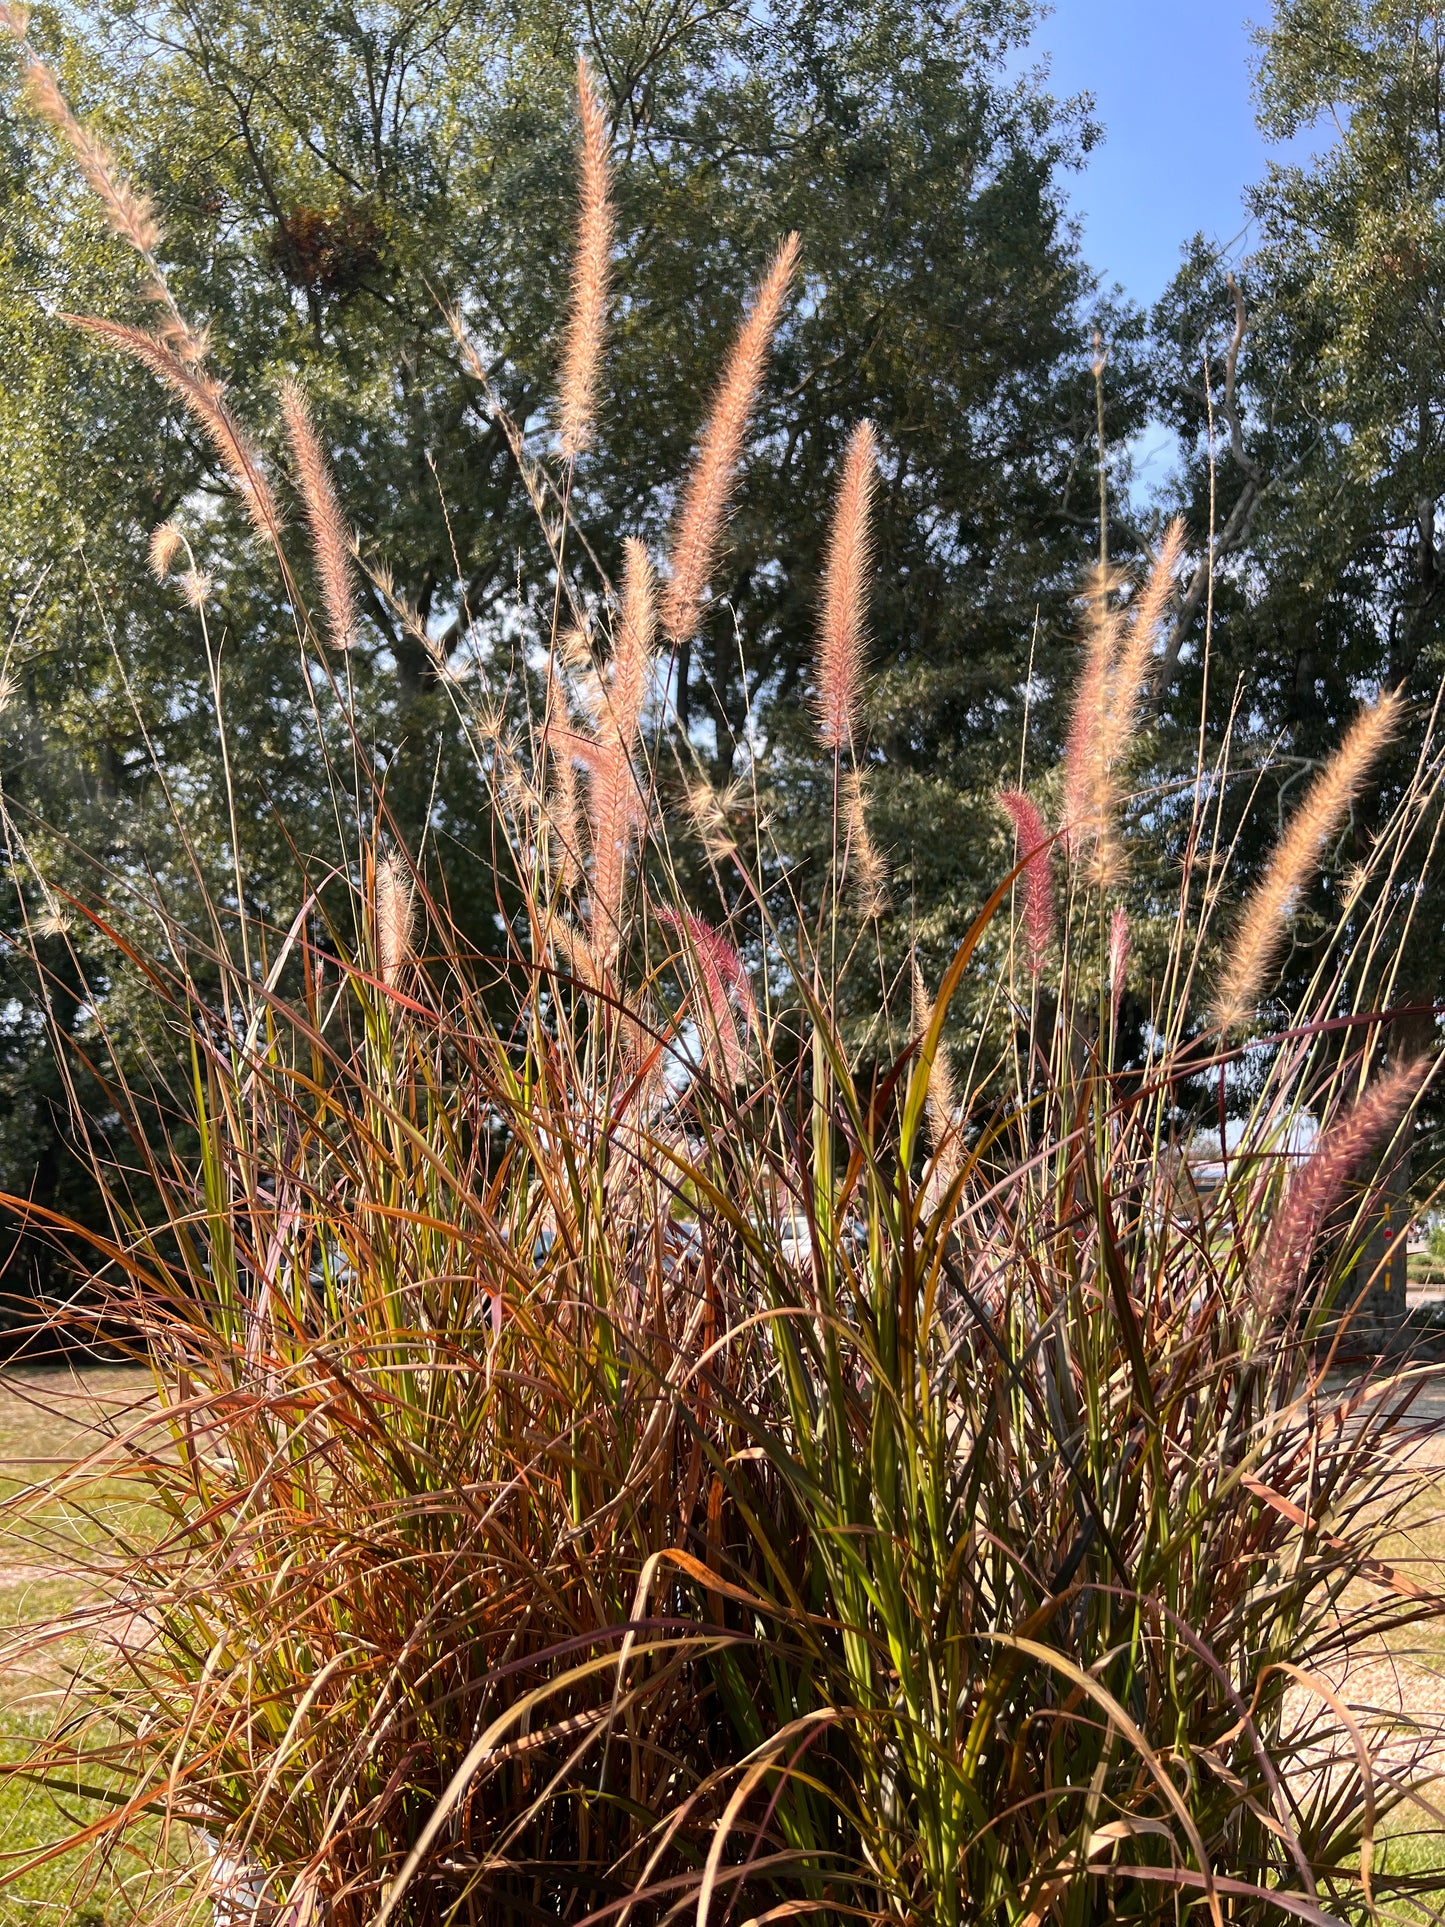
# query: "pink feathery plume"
[330,537]
[614,810]
[1326,802]
[395,911]
[717,969]
[1135,668]
[205,398]
[841,617]
[616,804]
[940,1100]
[1034,843]
[582,350]
[703,509]
[128,208]
[1315,1189]
[735,974]
[1084,758]
[1118,958]
[632,654]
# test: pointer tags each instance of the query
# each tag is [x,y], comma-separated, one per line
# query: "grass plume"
[697,533]
[1118,664]
[395,913]
[721,992]
[1263,922]
[331,541]
[165,544]
[866,865]
[616,805]
[128,208]
[205,398]
[941,1102]
[843,612]
[1086,761]
[1314,1191]
[1035,849]
[591,265]
[1134,667]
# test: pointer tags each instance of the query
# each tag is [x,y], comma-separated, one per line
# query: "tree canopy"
[1318,363]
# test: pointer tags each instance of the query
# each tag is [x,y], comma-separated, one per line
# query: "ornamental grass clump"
[620,1459]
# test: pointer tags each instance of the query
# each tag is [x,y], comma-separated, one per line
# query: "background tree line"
[333,178]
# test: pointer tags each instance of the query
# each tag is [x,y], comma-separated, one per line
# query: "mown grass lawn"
[46,1418]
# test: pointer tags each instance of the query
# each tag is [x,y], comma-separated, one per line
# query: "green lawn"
[45,1419]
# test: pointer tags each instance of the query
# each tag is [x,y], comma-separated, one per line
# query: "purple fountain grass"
[395,915]
[1283,1265]
[1085,762]
[698,529]
[591,270]
[128,208]
[721,992]
[593,1476]
[1035,847]
[1262,925]
[205,398]
[331,540]
[842,615]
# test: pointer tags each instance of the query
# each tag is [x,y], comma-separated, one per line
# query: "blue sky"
[1171,85]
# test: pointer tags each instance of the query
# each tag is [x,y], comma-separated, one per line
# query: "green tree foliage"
[1317,381]
[331,182]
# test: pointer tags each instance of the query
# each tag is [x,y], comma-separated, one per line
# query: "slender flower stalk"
[330,539]
[1314,1191]
[1118,958]
[698,530]
[591,265]
[1032,836]
[841,617]
[1294,861]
